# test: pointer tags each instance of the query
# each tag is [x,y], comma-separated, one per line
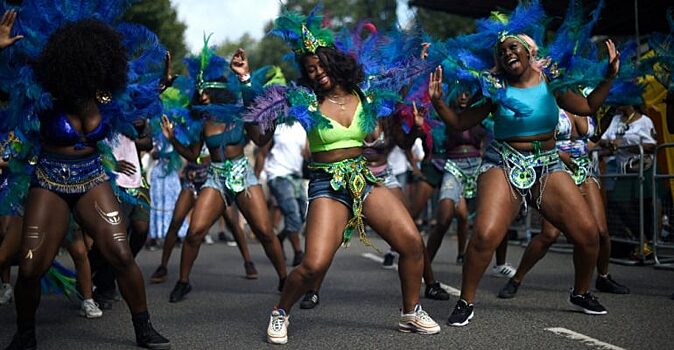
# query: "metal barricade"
[620,213]
[662,245]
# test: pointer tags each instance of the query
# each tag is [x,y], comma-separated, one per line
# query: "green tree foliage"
[161,18]
[441,25]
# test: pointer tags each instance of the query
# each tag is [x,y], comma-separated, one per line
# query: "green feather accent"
[58,283]
[205,55]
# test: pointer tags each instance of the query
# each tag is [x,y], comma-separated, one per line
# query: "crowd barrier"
[662,236]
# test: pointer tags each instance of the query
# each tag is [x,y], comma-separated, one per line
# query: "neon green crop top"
[338,136]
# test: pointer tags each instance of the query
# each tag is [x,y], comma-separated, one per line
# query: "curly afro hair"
[341,68]
[80,59]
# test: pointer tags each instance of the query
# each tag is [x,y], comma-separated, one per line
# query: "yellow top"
[338,136]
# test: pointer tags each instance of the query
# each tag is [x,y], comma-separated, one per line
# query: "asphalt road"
[359,309]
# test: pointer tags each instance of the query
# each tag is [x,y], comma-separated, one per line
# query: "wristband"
[244,79]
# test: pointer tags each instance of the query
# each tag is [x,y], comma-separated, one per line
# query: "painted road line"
[589,341]
[374,257]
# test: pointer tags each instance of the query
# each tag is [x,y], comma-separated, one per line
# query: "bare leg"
[496,209]
[445,214]
[10,244]
[231,218]
[208,207]
[326,221]
[593,197]
[78,252]
[387,215]
[254,208]
[462,227]
[182,207]
[536,250]
[564,206]
[419,198]
[502,251]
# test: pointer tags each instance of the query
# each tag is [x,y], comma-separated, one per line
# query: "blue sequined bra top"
[55,129]
[542,120]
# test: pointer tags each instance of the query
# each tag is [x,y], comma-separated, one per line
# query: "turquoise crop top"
[233,135]
[543,119]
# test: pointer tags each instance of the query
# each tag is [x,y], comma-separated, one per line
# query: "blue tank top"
[543,119]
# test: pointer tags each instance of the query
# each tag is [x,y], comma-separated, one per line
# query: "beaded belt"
[582,170]
[69,175]
[469,182]
[232,171]
[352,175]
[520,168]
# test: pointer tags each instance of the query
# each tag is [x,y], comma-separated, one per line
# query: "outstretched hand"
[239,63]
[6,24]
[424,50]
[418,117]
[167,128]
[613,59]
[435,84]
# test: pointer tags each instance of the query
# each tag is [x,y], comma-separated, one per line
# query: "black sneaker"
[435,292]
[180,291]
[147,337]
[459,259]
[389,258]
[104,299]
[608,285]
[159,275]
[23,341]
[461,315]
[509,290]
[586,303]
[298,258]
[251,271]
[310,300]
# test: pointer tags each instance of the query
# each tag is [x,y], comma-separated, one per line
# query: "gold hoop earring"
[103,97]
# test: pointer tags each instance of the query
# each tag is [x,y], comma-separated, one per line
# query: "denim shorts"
[452,187]
[291,198]
[387,178]
[230,178]
[319,187]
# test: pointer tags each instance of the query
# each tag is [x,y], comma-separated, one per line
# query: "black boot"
[23,340]
[146,336]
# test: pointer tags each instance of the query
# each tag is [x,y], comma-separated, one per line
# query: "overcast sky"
[230,19]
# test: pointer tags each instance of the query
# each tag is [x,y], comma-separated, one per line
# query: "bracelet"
[244,79]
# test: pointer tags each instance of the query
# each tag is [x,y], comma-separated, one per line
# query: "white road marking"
[451,290]
[589,341]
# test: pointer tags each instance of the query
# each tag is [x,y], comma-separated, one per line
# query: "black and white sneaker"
[310,300]
[586,303]
[462,314]
[434,291]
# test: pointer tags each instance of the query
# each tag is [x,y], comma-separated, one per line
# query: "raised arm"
[402,139]
[468,118]
[580,105]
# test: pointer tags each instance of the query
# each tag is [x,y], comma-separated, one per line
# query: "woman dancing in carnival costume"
[337,115]
[84,66]
[230,176]
[573,135]
[522,163]
[178,98]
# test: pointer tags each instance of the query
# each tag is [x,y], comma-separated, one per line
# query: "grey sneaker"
[418,321]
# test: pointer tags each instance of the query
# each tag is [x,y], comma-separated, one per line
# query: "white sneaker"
[6,294]
[208,239]
[417,321]
[506,270]
[277,332]
[90,309]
